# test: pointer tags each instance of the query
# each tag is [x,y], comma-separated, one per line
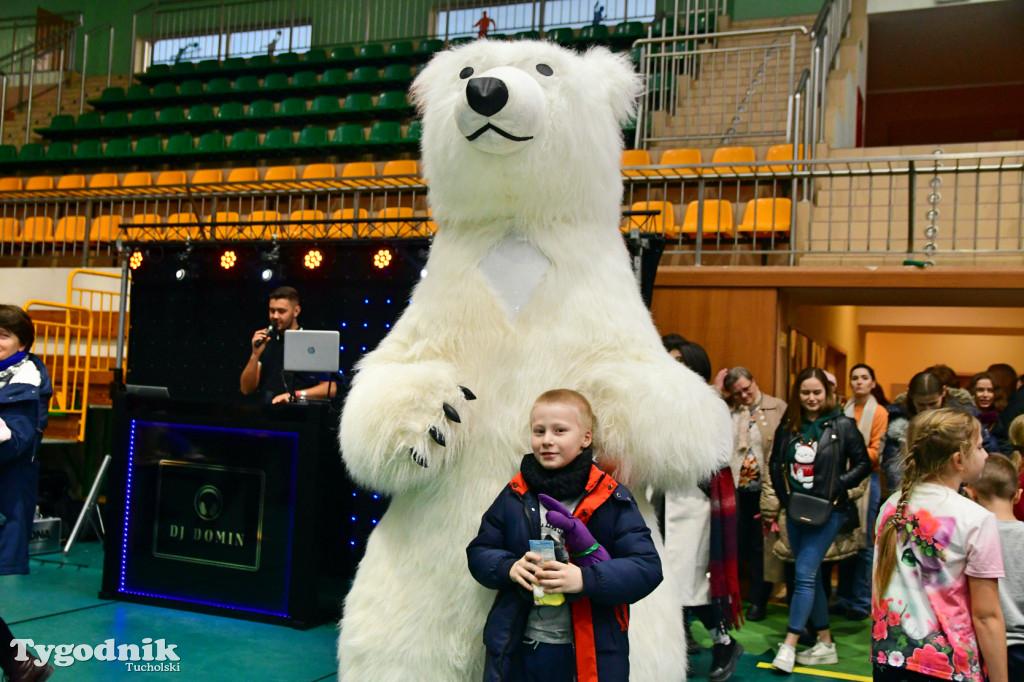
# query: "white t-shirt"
[923,621]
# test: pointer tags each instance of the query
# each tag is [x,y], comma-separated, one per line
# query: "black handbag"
[808,509]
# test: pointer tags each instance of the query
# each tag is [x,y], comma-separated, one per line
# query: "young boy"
[997,490]
[613,559]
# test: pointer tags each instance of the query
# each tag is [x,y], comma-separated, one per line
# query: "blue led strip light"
[127,505]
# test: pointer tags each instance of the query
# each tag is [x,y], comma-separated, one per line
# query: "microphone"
[266,338]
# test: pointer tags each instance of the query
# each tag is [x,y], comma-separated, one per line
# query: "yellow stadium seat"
[207,176]
[71,182]
[681,157]
[37,228]
[664,222]
[344,228]
[182,226]
[280,173]
[262,224]
[10,230]
[636,157]
[401,167]
[139,179]
[102,180]
[227,225]
[105,228]
[765,217]
[734,160]
[39,182]
[780,152]
[143,227]
[718,219]
[316,171]
[305,224]
[391,226]
[359,169]
[171,177]
[244,175]
[71,228]
[10,184]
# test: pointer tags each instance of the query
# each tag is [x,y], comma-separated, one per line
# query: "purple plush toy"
[583,548]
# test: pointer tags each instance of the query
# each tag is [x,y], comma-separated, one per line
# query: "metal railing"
[108,31]
[826,35]
[99,292]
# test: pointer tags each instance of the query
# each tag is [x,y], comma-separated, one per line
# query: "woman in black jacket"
[818,452]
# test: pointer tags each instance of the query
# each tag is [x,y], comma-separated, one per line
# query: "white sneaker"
[819,654]
[784,659]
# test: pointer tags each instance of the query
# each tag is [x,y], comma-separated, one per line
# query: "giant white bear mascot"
[528,288]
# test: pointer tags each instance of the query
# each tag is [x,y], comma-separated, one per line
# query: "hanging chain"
[931,232]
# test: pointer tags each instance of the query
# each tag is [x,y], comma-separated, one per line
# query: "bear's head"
[804,454]
[524,132]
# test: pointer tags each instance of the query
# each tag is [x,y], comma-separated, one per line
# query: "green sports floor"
[57,604]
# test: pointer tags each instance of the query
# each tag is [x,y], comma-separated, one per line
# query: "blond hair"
[567,396]
[933,437]
[1016,434]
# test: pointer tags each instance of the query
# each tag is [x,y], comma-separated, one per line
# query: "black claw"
[436,435]
[416,458]
[468,393]
[450,412]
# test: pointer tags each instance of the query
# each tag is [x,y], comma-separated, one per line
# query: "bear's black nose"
[486,96]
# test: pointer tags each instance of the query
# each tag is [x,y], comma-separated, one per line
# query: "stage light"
[135,260]
[267,274]
[313,259]
[179,274]
[228,260]
[382,259]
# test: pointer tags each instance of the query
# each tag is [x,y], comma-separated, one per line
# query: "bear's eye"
[466,72]
[544,70]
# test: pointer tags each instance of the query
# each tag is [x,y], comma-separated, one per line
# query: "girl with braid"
[937,563]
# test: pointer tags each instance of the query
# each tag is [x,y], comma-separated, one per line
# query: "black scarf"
[567,483]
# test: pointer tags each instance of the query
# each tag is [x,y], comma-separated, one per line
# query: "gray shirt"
[1011,588]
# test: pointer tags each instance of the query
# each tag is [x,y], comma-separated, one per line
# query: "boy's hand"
[556,577]
[524,570]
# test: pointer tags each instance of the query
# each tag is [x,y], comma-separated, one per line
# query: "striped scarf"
[725,583]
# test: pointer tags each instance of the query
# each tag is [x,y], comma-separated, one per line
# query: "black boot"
[692,648]
[27,671]
[724,658]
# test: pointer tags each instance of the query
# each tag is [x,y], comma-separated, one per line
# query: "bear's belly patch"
[514,269]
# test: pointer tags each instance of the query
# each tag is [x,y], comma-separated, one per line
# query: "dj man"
[264,373]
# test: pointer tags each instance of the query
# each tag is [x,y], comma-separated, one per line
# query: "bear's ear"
[617,80]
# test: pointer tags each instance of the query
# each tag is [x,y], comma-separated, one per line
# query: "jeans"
[809,545]
[855,572]
[540,662]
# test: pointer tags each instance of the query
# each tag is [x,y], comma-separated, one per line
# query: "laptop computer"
[311,350]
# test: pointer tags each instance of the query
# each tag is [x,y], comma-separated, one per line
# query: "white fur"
[414,611]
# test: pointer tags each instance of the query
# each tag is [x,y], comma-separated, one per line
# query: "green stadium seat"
[143,117]
[364,75]
[191,88]
[315,56]
[384,133]
[392,100]
[183,68]
[218,86]
[230,110]
[275,81]
[414,132]
[59,151]
[208,66]
[628,30]
[62,122]
[179,145]
[370,51]
[170,116]
[233,64]
[593,32]
[277,138]
[349,134]
[335,77]
[396,73]
[158,71]
[147,146]
[562,35]
[244,142]
[115,119]
[293,107]
[305,79]
[247,83]
[287,58]
[8,153]
[343,53]
[429,46]
[88,149]
[497,36]
[119,147]
[325,104]
[141,92]
[114,94]
[200,113]
[312,136]
[527,35]
[211,142]
[261,108]
[461,40]
[400,48]
[88,120]
[163,89]
[357,102]
[260,61]
[32,151]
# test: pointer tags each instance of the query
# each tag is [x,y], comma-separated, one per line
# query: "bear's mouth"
[490,126]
